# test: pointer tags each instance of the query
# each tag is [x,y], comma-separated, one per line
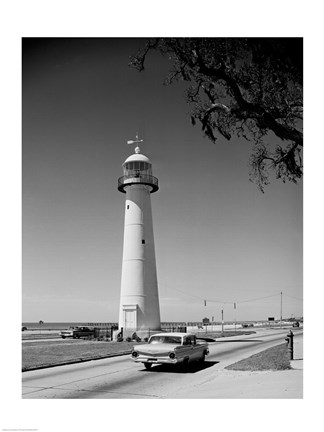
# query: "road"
[120,378]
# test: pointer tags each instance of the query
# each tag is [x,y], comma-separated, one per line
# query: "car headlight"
[134,354]
[172,355]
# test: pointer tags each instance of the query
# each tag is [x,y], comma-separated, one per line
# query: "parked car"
[66,333]
[170,348]
[296,324]
[77,332]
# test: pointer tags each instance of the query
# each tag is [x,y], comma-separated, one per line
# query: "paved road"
[120,378]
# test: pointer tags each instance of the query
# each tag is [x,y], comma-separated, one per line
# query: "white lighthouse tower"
[139,300]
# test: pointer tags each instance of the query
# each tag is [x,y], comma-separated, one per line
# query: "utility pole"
[281,306]
[222,321]
[235,315]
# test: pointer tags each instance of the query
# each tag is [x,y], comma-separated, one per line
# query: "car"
[77,332]
[170,348]
[66,333]
[296,324]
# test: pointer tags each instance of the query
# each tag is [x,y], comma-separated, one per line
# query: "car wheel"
[63,337]
[148,365]
[185,362]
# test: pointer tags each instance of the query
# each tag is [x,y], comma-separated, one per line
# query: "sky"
[217,237]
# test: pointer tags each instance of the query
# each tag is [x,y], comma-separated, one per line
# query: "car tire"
[63,337]
[185,362]
[148,366]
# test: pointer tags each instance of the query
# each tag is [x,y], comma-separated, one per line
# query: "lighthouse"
[139,309]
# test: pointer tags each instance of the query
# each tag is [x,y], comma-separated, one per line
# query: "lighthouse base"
[133,334]
[133,322]
[142,334]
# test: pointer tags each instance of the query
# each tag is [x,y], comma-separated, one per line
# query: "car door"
[197,349]
[187,349]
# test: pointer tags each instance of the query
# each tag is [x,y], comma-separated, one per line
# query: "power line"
[259,298]
[204,299]
[209,300]
[188,295]
[286,295]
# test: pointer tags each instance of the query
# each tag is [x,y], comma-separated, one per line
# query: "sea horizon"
[64,324]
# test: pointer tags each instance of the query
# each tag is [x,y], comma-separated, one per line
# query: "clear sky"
[217,237]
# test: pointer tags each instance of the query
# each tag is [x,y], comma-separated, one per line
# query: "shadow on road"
[191,368]
[240,340]
[206,339]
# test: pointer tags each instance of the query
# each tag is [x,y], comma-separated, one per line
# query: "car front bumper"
[157,360]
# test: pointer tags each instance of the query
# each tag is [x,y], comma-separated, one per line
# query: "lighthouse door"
[130,318]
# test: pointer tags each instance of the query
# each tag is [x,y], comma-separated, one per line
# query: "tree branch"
[264,118]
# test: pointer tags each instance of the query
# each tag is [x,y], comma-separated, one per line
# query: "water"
[62,325]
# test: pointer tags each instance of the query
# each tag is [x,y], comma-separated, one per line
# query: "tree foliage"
[250,87]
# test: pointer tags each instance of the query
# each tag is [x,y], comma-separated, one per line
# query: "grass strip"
[53,353]
[275,359]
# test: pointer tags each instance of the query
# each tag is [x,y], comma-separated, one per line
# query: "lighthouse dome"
[137,157]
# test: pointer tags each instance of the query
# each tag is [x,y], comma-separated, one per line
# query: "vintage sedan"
[170,348]
[66,333]
[77,332]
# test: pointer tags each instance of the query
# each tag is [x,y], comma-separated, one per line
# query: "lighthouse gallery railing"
[138,179]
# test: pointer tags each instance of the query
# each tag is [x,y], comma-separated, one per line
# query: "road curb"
[75,361]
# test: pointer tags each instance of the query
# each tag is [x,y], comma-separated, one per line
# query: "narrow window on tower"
[143,241]
[128,207]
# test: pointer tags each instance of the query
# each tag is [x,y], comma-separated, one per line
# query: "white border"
[146,18]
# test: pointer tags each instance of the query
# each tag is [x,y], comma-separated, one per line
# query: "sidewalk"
[226,384]
[249,385]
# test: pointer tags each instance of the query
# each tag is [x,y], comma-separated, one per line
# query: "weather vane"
[136,141]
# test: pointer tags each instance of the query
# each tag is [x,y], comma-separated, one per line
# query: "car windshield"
[165,339]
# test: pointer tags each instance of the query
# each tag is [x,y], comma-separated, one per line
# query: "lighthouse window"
[143,241]
[134,168]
